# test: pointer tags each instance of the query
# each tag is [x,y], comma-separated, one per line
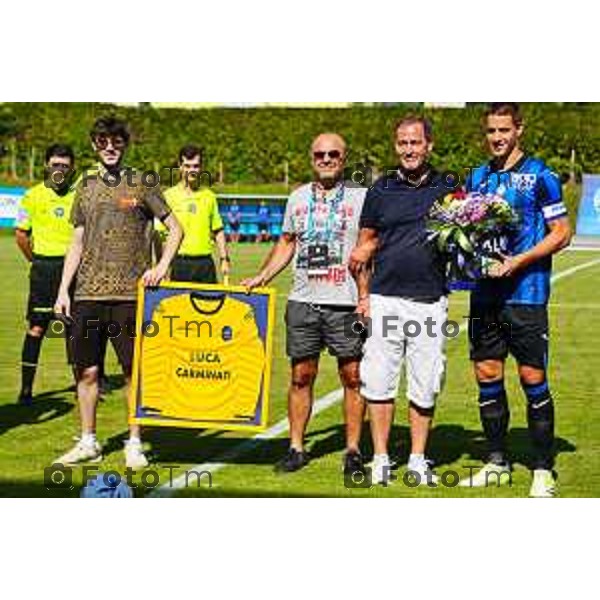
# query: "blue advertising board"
[10,200]
[588,218]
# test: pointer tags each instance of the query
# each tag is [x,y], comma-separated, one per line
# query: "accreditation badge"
[318,260]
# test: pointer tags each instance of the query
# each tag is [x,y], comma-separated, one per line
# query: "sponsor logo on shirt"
[128,202]
[523,182]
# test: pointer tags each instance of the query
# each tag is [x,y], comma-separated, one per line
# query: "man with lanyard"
[197,210]
[113,214]
[43,234]
[516,295]
[319,231]
[405,297]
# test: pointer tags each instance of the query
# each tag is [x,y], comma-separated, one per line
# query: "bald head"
[329,141]
[328,157]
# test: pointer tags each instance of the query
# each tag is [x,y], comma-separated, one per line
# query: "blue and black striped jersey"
[535,194]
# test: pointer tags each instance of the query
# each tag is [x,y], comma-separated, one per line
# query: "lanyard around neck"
[333,209]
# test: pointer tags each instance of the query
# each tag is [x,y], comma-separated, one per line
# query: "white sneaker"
[423,469]
[543,484]
[134,455]
[81,453]
[381,471]
[492,475]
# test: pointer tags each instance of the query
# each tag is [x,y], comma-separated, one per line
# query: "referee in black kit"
[43,234]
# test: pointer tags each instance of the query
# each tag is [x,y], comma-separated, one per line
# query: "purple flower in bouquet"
[462,224]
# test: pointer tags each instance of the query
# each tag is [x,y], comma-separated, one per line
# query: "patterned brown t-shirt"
[117,241]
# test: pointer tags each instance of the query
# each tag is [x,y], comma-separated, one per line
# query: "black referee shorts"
[100,321]
[194,269]
[44,281]
[495,331]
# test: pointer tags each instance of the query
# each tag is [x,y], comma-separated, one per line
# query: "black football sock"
[29,361]
[495,416]
[540,420]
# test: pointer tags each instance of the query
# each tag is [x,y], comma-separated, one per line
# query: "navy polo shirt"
[406,264]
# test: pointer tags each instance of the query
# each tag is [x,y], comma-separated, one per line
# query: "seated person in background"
[234,220]
[263,221]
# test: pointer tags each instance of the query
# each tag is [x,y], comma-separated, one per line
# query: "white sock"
[135,440]
[88,439]
[416,460]
[381,459]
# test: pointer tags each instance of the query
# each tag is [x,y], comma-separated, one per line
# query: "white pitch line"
[583,249]
[320,405]
[576,269]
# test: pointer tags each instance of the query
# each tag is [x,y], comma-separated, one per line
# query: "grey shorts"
[312,328]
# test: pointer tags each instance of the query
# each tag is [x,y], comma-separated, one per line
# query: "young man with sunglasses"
[517,294]
[319,231]
[43,234]
[197,210]
[113,214]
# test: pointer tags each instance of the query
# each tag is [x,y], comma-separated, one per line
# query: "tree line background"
[270,145]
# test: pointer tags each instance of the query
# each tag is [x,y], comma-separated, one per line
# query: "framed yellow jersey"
[202,357]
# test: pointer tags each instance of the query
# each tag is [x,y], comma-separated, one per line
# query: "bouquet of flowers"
[470,229]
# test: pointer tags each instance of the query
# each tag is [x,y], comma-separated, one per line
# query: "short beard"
[193,183]
[418,172]
[328,183]
[61,190]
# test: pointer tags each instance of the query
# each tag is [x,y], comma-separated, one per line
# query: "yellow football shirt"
[199,216]
[46,215]
[206,361]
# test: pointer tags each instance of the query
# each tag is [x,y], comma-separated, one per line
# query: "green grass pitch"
[30,438]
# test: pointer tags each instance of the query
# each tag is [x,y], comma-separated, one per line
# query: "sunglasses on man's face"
[332,154]
[102,142]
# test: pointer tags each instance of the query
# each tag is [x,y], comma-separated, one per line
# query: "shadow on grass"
[449,443]
[45,407]
[114,382]
[30,489]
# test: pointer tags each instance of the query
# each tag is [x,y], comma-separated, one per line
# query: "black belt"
[423,299]
[49,258]
[197,257]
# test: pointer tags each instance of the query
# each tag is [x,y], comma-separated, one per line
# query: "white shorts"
[401,331]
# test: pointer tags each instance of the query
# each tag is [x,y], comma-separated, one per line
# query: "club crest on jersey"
[523,182]
[227,333]
[192,208]
[59,212]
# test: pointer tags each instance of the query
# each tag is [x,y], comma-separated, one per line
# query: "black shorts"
[44,281]
[312,328]
[98,321]
[495,331]
[235,226]
[194,269]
